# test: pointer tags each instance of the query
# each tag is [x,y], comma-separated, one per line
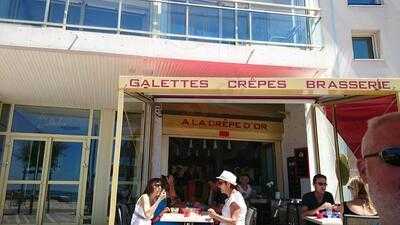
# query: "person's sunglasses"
[390,156]
[322,184]
[157,185]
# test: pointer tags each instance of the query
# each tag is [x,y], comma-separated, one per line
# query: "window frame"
[375,42]
[377,3]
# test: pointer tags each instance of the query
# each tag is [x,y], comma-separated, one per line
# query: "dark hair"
[150,185]
[318,176]
[164,182]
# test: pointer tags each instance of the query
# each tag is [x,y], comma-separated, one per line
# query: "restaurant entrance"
[194,162]
[154,92]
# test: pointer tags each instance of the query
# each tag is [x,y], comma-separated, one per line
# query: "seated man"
[319,199]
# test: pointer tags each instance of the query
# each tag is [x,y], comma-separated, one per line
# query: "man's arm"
[312,212]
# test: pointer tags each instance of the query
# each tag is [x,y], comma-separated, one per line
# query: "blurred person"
[147,203]
[235,209]
[361,203]
[244,186]
[317,200]
[380,165]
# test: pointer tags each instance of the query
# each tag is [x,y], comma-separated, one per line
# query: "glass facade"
[51,120]
[264,21]
[45,174]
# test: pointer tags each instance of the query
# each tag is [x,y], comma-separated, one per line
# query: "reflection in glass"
[130,125]
[65,161]
[243,25]
[60,205]
[93,13]
[90,181]
[21,204]
[2,144]
[135,15]
[32,10]
[96,123]
[56,11]
[203,22]
[228,24]
[52,120]
[4,116]
[127,167]
[173,19]
[26,160]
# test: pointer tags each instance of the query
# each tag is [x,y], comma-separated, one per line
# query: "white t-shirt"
[238,199]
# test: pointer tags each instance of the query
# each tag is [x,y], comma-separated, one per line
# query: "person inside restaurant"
[361,203]
[317,200]
[244,186]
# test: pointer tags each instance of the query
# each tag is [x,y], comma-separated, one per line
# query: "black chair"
[123,216]
[251,216]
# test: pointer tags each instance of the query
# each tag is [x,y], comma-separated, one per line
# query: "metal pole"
[315,136]
[117,150]
[398,100]
[336,141]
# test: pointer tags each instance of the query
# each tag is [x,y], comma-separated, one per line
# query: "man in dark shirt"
[317,200]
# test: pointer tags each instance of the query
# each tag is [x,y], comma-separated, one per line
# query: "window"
[364,2]
[366,45]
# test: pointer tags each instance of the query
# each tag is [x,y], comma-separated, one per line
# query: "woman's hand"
[162,195]
[166,210]
[212,213]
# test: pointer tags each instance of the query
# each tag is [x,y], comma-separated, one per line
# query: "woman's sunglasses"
[390,156]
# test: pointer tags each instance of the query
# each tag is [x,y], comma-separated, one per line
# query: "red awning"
[352,118]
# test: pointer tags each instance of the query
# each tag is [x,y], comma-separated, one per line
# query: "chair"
[251,216]
[360,220]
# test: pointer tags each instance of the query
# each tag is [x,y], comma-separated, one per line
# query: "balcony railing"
[225,21]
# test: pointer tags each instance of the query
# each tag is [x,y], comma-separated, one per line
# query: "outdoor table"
[324,221]
[189,220]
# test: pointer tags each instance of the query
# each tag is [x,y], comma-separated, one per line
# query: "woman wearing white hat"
[234,210]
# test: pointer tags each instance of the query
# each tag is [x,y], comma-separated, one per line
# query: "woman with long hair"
[167,183]
[361,203]
[147,203]
[234,210]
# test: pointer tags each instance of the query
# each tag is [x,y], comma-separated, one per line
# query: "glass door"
[45,179]
[22,189]
[62,191]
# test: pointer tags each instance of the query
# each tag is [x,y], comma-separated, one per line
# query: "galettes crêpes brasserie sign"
[255,85]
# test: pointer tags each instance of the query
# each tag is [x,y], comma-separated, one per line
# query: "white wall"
[339,20]
[294,136]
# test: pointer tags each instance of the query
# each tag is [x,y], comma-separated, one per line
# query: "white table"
[180,218]
[324,221]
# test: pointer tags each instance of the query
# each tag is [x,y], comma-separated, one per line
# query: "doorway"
[201,160]
[45,177]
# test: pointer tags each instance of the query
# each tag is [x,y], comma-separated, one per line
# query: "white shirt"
[237,198]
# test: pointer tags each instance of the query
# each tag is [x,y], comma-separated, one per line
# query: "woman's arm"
[150,209]
[235,211]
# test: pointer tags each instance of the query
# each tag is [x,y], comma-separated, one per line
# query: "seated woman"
[169,186]
[361,203]
[147,203]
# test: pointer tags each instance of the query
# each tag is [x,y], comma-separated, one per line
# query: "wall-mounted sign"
[221,127]
[257,86]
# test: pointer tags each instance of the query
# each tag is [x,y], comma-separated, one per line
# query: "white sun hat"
[228,177]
